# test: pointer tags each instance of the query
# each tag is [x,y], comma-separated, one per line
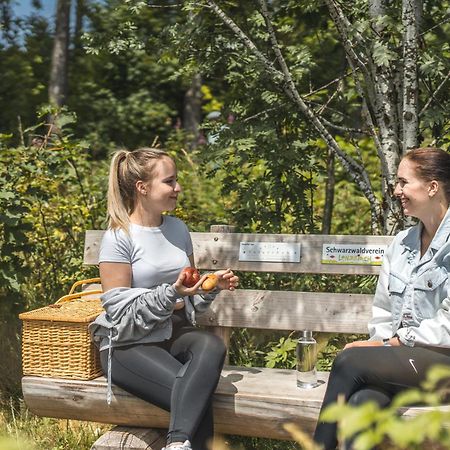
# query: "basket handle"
[72,294]
[80,282]
[69,297]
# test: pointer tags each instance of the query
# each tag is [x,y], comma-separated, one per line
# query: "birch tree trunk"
[387,120]
[58,72]
[411,18]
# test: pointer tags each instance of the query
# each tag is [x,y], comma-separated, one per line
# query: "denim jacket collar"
[442,233]
[411,241]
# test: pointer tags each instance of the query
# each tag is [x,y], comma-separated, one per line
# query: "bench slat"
[240,407]
[290,310]
[220,250]
[215,250]
[248,402]
[92,240]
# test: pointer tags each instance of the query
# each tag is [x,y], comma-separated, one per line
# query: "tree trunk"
[58,72]
[411,16]
[79,16]
[329,195]
[192,108]
[387,120]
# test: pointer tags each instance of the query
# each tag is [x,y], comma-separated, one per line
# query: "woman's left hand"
[227,279]
[364,344]
[393,342]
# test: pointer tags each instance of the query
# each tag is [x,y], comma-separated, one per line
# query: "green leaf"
[358,419]
[382,55]
[436,375]
[409,397]
[7,195]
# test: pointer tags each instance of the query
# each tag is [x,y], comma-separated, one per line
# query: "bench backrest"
[282,310]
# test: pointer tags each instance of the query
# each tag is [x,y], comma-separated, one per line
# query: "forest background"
[283,116]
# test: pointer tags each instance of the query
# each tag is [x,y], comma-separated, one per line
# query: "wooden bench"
[249,401]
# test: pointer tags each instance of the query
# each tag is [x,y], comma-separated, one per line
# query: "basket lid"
[80,310]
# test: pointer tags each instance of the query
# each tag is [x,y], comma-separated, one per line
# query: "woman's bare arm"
[115,275]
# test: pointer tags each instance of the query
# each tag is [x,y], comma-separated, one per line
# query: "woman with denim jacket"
[410,327]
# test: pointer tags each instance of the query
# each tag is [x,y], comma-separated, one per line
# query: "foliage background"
[259,166]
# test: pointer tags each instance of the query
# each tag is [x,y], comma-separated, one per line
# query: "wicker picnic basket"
[55,339]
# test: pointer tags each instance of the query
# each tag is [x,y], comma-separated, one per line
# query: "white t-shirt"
[156,254]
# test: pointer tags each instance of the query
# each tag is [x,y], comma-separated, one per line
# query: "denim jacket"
[420,285]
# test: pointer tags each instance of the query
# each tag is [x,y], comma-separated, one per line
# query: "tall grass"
[22,430]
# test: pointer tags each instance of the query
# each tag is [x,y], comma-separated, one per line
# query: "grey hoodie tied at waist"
[138,315]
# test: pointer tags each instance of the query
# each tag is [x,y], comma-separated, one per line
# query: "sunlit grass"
[22,430]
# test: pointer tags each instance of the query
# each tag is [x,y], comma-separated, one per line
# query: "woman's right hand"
[185,291]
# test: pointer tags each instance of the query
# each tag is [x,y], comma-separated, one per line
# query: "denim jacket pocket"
[396,289]
[396,284]
[431,279]
[430,291]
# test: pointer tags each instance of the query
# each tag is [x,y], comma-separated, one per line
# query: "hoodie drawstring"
[109,389]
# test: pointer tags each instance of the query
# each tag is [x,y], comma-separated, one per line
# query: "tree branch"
[367,95]
[343,25]
[445,20]
[246,40]
[345,129]
[261,113]
[433,95]
[325,105]
[355,170]
[336,80]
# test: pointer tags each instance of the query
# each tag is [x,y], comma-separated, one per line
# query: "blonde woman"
[148,342]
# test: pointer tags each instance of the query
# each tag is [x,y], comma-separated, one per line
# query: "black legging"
[178,375]
[360,374]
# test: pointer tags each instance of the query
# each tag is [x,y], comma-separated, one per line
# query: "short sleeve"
[116,246]
[189,246]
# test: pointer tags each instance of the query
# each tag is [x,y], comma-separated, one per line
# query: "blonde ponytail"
[126,169]
[118,206]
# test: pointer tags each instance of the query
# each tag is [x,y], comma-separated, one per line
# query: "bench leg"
[131,438]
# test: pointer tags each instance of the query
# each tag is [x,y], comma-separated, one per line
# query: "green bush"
[48,197]
[374,426]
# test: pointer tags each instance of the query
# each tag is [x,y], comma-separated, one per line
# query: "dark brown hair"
[432,164]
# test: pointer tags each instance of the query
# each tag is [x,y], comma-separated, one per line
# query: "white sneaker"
[186,445]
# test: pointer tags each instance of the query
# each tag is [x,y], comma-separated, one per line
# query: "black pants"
[361,374]
[178,375]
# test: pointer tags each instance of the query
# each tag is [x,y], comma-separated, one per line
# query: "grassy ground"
[21,430]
